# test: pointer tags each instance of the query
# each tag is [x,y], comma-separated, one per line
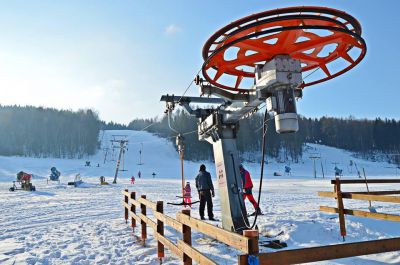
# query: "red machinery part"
[26,177]
[304,33]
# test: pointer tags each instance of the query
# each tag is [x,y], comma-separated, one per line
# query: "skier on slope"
[247,189]
[132,180]
[187,194]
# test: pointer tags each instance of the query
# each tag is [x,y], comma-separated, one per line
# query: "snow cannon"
[265,58]
[55,174]
[25,180]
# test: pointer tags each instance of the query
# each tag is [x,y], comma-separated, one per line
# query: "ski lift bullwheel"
[321,38]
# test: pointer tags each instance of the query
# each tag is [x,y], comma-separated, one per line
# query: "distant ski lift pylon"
[121,141]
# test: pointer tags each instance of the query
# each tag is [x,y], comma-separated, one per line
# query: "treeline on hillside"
[112,126]
[363,136]
[44,132]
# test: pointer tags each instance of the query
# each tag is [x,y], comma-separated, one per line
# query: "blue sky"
[118,57]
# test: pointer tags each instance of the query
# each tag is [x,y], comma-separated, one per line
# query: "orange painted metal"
[317,36]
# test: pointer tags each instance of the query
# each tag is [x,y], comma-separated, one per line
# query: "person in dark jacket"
[205,188]
[247,189]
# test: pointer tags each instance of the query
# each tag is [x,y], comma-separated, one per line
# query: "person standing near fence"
[205,188]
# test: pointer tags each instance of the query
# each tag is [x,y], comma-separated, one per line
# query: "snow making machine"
[265,59]
[25,181]
[54,175]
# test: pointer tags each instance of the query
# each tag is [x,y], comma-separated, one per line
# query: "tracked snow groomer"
[267,58]
[25,181]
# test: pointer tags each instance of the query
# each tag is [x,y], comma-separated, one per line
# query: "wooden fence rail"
[314,254]
[135,210]
[379,196]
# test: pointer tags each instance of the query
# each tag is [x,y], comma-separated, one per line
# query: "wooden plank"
[234,240]
[135,202]
[125,193]
[340,251]
[352,195]
[361,181]
[134,216]
[126,205]
[150,204]
[328,194]
[384,192]
[169,221]
[169,244]
[194,254]
[148,221]
[378,198]
[379,216]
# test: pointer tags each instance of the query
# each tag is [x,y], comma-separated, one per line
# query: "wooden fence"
[136,212]
[379,196]
[184,223]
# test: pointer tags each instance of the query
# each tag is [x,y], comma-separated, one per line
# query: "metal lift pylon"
[272,49]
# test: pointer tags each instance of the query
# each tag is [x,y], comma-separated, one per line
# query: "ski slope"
[60,224]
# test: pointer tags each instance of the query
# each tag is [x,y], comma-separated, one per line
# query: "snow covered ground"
[60,224]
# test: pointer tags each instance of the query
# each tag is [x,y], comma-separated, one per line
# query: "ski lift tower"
[315,157]
[265,58]
[121,142]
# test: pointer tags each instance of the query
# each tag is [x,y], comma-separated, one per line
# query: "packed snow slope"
[60,224]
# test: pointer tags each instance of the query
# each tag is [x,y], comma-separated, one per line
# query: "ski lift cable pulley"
[297,31]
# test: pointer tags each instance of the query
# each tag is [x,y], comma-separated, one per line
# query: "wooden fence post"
[133,210]
[187,238]
[342,222]
[143,223]
[126,209]
[253,245]
[160,230]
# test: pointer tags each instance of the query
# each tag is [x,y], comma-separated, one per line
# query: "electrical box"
[281,70]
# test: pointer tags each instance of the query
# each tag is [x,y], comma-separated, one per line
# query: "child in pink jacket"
[187,194]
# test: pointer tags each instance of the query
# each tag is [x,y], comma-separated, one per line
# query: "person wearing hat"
[247,189]
[205,188]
